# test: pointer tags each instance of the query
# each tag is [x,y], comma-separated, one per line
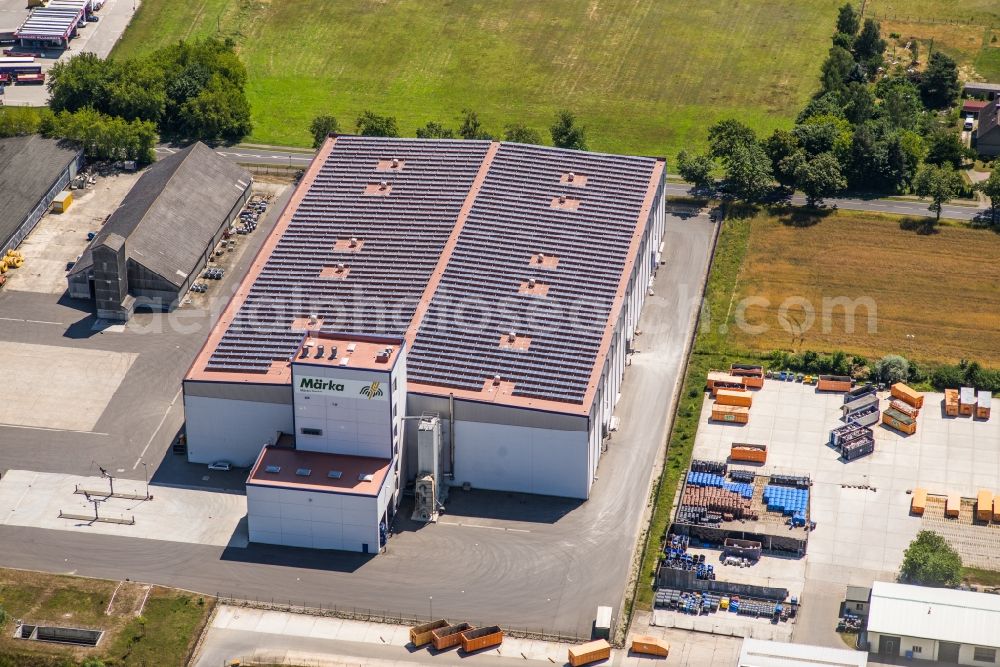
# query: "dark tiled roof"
[29,167]
[402,236]
[447,245]
[513,219]
[174,210]
[989,119]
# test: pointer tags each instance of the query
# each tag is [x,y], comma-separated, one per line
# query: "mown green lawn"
[644,76]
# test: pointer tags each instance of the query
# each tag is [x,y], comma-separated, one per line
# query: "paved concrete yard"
[59,238]
[34,499]
[861,533]
[323,641]
[58,387]
[520,561]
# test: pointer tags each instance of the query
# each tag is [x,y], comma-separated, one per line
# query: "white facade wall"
[232,430]
[312,520]
[609,390]
[929,650]
[342,419]
[506,457]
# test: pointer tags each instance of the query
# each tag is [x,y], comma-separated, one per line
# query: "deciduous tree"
[820,177]
[567,134]
[521,134]
[696,168]
[931,561]
[434,130]
[991,189]
[748,172]
[940,184]
[322,127]
[370,124]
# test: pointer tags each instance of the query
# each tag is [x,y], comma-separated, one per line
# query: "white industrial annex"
[491,289]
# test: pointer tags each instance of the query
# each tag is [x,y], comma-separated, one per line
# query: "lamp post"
[430,605]
[146,469]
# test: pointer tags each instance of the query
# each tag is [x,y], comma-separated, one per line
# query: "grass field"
[644,76]
[936,296]
[163,634]
[968,30]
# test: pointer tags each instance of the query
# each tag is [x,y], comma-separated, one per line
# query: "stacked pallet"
[984,402]
[953,506]
[729,504]
[951,402]
[967,401]
[984,505]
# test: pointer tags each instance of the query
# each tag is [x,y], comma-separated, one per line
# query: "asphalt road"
[520,561]
[285,156]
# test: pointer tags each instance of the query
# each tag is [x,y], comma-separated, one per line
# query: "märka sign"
[373,390]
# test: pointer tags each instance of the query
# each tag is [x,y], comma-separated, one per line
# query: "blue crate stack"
[718,481]
[789,501]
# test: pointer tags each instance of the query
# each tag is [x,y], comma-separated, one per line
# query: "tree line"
[189,90]
[565,132]
[866,130]
[102,137]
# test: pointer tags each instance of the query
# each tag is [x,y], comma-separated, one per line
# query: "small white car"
[969,123]
[225,466]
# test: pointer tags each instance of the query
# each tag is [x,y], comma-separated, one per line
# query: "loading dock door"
[947,652]
[888,647]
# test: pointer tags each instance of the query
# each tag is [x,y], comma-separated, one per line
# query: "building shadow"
[306,559]
[505,506]
[174,470]
[85,328]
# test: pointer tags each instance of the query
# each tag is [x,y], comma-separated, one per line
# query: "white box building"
[512,277]
[921,623]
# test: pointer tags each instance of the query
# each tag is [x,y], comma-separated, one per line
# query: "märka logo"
[373,390]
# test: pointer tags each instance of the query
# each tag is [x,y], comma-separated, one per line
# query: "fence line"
[368,615]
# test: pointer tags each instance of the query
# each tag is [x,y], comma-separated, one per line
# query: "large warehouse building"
[922,623]
[33,170]
[508,279]
[157,242]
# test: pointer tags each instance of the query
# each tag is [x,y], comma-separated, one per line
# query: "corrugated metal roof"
[941,614]
[760,653]
[173,211]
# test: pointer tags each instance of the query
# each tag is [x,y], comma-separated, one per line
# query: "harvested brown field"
[933,297]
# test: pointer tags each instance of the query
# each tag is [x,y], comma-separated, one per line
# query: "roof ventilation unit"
[395,163]
[313,318]
[303,472]
[562,199]
[333,352]
[496,380]
[383,185]
[570,176]
[351,347]
[541,258]
[319,351]
[511,336]
[334,474]
[531,283]
[274,470]
[353,243]
[365,477]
